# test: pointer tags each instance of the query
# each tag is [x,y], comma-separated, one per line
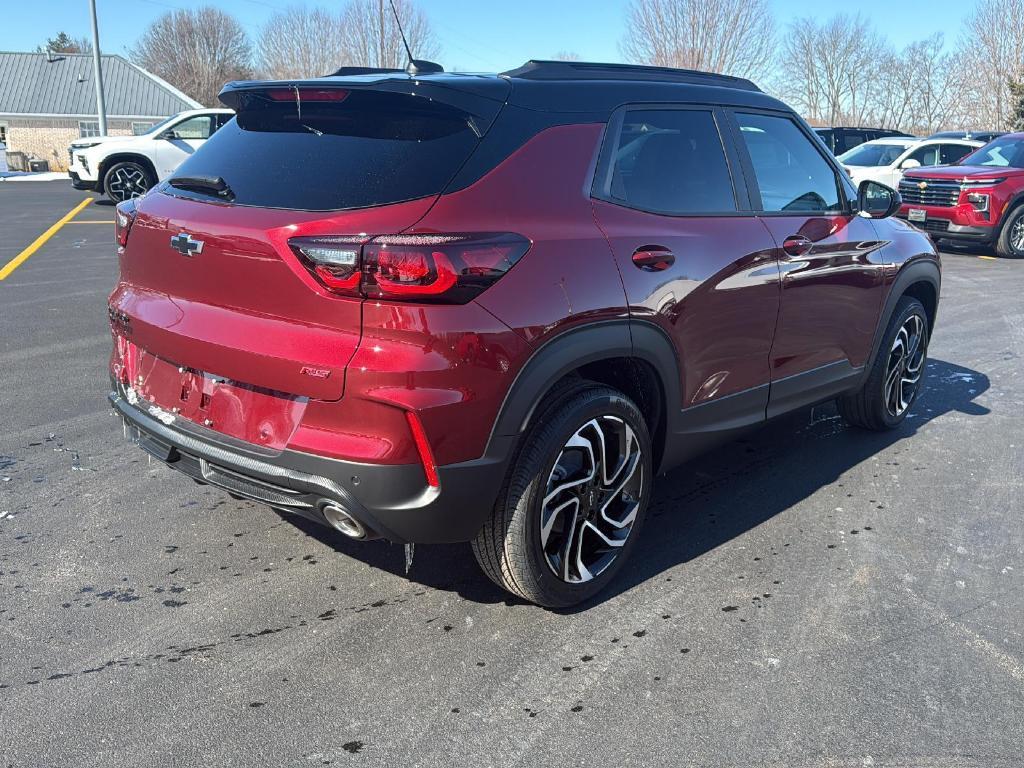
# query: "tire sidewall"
[1004,248]
[599,402]
[909,307]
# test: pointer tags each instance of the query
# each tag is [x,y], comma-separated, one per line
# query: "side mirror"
[877,201]
[910,163]
[168,135]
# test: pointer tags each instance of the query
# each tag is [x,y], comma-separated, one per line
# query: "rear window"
[370,149]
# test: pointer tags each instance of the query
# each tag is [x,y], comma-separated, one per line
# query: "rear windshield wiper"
[208,184]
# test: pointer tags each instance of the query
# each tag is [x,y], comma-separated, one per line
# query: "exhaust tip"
[342,521]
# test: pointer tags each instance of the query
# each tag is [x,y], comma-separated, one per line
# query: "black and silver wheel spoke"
[1017,235]
[591,500]
[127,183]
[905,365]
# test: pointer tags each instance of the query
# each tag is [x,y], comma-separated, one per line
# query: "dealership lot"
[810,595]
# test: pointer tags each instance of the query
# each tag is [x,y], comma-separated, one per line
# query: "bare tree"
[300,42]
[566,56]
[993,51]
[829,69]
[196,51]
[734,37]
[372,38]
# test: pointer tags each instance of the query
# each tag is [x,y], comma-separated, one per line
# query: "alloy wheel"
[126,183]
[905,365]
[591,500]
[1017,236]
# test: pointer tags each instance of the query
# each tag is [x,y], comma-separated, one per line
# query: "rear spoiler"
[481,97]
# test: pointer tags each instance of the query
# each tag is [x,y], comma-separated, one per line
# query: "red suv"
[980,199]
[450,308]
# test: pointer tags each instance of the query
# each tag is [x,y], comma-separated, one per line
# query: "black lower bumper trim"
[391,501]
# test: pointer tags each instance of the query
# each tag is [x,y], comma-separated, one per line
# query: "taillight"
[124,217]
[306,94]
[433,268]
[334,261]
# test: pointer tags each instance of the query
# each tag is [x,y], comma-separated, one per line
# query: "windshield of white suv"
[873,155]
[1007,152]
[159,126]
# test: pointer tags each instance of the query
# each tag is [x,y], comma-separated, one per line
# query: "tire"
[127,180]
[1010,243]
[887,396]
[526,557]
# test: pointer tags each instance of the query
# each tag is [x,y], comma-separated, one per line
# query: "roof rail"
[583,70]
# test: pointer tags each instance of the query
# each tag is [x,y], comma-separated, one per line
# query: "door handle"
[796,245]
[653,258]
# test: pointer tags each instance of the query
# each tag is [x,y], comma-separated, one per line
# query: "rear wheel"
[576,495]
[127,180]
[896,374]
[1010,243]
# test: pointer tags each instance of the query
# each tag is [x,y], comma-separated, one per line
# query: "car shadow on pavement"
[706,502]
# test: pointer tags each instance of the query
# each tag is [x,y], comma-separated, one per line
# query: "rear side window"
[791,173]
[672,161]
[371,148]
[951,153]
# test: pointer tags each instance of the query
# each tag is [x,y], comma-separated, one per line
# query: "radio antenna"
[411,66]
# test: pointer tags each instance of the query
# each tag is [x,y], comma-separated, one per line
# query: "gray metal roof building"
[62,85]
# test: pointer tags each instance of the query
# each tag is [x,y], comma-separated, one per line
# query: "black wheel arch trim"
[576,347]
[918,270]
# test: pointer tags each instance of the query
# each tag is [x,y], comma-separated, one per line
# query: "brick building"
[47,100]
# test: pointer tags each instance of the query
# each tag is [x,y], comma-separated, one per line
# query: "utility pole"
[101,108]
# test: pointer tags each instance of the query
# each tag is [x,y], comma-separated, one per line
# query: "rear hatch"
[210,286]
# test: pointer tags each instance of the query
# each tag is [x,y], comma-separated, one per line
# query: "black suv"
[841,140]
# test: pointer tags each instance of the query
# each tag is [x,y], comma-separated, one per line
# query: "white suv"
[884,160]
[126,166]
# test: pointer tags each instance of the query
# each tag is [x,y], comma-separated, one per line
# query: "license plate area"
[917,214]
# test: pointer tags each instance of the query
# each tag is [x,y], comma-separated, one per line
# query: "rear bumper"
[391,501]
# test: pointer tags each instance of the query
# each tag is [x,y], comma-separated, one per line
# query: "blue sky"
[476,36]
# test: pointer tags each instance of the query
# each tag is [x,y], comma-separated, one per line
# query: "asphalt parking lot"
[811,595]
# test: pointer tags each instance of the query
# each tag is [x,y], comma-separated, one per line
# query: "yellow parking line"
[40,241]
[989,258]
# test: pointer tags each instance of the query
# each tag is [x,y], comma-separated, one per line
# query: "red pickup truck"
[979,200]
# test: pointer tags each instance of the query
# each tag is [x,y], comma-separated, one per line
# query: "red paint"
[831,291]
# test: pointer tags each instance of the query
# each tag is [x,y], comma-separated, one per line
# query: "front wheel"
[127,180]
[574,500]
[896,374]
[1010,243]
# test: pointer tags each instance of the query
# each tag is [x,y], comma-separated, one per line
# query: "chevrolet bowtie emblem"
[185,245]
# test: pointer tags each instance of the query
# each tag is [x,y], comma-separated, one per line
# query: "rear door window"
[671,161]
[369,148]
[792,175]
[951,153]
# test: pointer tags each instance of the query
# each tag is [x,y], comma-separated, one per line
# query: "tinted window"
[373,148]
[951,153]
[672,161]
[828,136]
[851,140]
[791,173]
